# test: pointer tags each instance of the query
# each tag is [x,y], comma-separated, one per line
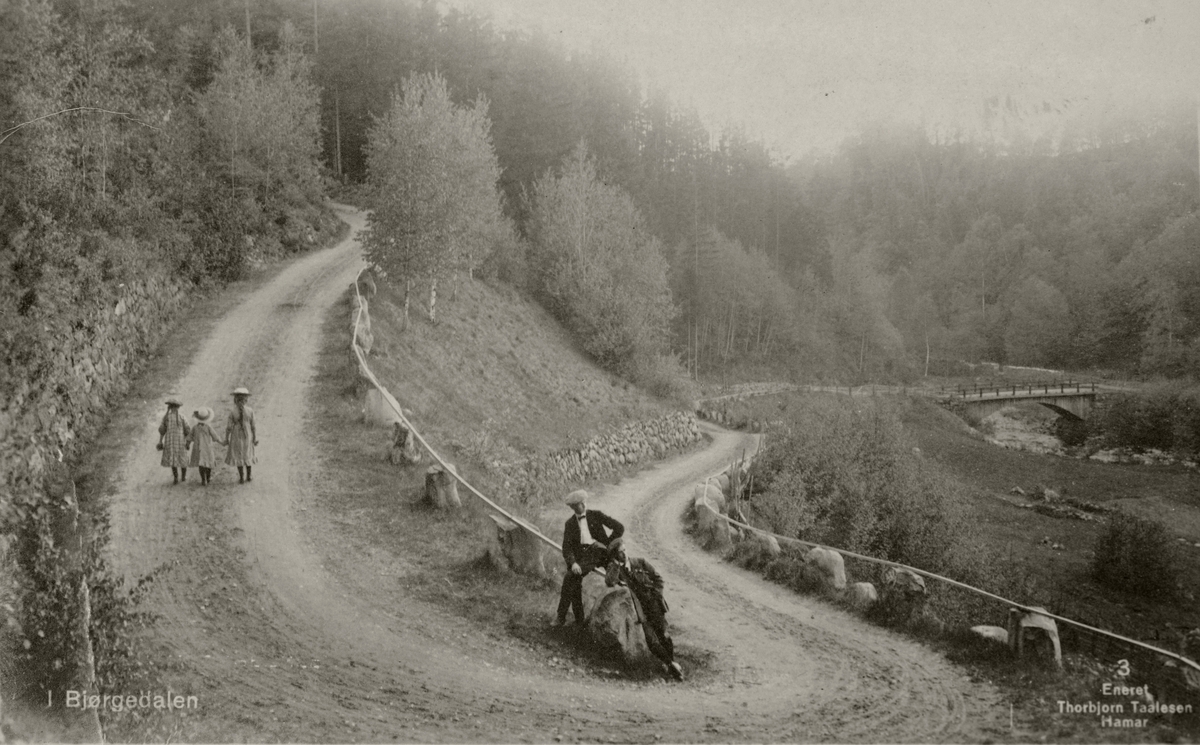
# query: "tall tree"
[600,271]
[434,173]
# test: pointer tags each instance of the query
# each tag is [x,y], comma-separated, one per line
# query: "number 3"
[1123,668]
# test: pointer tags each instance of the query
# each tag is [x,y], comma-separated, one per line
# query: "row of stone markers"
[902,595]
[514,544]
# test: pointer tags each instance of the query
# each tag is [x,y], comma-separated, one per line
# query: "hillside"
[496,374]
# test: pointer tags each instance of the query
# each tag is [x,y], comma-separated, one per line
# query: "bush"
[751,554]
[663,376]
[1139,420]
[1071,432]
[847,477]
[1137,556]
[1164,416]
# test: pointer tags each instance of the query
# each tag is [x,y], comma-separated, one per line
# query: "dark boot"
[241,475]
[183,474]
[247,473]
[174,475]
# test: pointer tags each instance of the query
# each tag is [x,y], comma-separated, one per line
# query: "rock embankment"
[634,443]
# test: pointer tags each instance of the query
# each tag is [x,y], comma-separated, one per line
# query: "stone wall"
[634,443]
[43,418]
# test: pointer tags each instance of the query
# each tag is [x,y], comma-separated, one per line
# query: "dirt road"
[275,648]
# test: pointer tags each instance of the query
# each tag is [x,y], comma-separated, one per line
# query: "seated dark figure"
[586,537]
[646,585]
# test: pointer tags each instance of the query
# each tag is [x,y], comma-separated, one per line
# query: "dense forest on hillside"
[1069,251]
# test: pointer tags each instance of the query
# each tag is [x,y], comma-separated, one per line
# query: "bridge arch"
[1062,412]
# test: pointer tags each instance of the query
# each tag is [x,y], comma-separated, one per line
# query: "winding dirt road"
[276,647]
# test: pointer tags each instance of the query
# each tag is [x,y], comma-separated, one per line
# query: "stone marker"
[376,409]
[994,633]
[519,549]
[441,488]
[826,567]
[862,595]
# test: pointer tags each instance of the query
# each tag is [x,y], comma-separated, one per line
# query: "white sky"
[802,74]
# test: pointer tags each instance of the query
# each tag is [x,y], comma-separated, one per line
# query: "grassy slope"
[498,364]
[495,379]
[1170,494]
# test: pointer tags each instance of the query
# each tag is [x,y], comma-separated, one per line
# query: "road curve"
[275,646]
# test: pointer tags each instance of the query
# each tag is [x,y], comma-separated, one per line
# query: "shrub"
[663,376]
[1139,420]
[1137,556]
[848,478]
[1071,432]
[118,618]
[750,554]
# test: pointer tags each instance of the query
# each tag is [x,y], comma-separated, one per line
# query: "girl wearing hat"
[204,455]
[240,436]
[173,440]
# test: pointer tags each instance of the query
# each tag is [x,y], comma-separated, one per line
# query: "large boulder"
[904,582]
[997,634]
[613,625]
[722,482]
[767,545]
[711,493]
[441,487]
[862,595]
[903,595]
[366,285]
[404,450]
[711,528]
[826,567]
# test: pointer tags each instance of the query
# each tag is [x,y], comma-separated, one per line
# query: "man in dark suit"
[646,584]
[586,536]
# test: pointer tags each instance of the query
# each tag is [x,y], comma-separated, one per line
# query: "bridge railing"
[1019,389]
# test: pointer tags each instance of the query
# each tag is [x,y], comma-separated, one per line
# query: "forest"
[891,257]
[898,253]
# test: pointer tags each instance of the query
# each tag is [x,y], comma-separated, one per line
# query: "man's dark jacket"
[645,582]
[602,527]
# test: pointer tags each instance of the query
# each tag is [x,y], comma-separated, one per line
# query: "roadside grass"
[496,378]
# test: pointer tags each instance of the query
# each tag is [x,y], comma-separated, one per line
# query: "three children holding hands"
[176,438]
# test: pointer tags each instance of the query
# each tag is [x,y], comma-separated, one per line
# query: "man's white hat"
[579,496]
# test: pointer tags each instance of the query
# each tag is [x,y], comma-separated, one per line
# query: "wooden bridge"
[1072,399]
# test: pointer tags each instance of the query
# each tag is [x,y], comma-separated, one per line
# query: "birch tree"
[433,170]
[599,269]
